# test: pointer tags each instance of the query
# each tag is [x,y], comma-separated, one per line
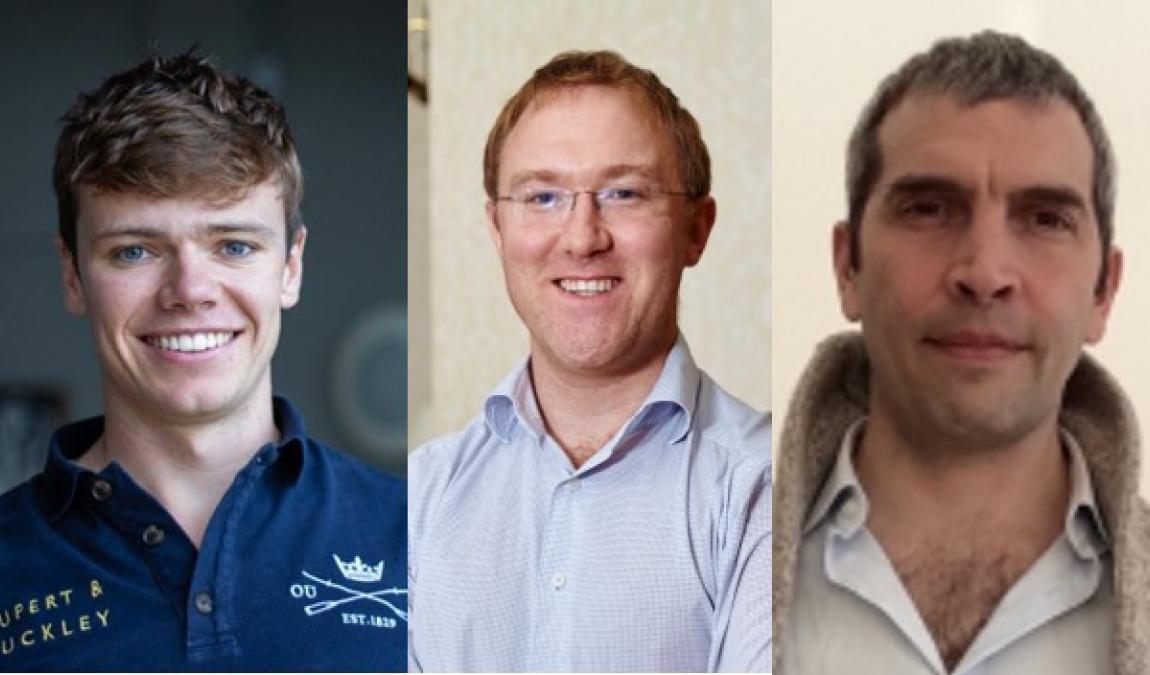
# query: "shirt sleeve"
[743,617]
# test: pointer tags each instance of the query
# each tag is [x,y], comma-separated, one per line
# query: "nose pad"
[586,233]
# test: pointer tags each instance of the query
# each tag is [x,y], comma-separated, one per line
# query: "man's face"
[980,255]
[598,297]
[184,297]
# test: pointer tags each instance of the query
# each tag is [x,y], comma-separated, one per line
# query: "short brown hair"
[986,66]
[175,127]
[575,68]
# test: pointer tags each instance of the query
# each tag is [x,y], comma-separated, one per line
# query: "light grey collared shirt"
[654,555]
[852,614]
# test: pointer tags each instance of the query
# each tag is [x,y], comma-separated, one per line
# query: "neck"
[186,465]
[583,410]
[961,523]
[1018,490]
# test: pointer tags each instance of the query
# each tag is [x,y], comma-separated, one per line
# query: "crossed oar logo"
[357,571]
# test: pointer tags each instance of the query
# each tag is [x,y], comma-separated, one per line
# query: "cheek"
[112,294]
[525,256]
[664,251]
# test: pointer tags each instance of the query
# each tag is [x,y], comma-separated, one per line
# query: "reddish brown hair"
[572,69]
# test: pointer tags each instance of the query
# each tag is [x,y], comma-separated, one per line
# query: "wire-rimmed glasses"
[615,203]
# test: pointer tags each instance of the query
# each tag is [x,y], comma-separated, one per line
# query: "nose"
[188,282]
[585,234]
[985,266]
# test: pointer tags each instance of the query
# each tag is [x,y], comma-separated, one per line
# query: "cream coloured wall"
[827,59]
[715,56]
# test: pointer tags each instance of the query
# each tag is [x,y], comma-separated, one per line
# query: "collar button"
[101,490]
[153,535]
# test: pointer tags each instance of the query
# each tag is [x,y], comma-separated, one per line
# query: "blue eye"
[622,195]
[237,249]
[130,254]
[546,199]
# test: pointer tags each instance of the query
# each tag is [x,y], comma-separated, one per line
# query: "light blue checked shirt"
[655,555]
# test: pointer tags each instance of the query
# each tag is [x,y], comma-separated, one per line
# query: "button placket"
[203,603]
[553,571]
[555,545]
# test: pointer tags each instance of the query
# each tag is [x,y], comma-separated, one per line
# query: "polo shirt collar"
[513,402]
[57,485]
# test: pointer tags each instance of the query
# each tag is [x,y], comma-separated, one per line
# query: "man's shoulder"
[19,510]
[731,426]
[349,471]
[436,459]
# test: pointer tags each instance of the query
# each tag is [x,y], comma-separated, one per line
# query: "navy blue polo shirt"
[302,567]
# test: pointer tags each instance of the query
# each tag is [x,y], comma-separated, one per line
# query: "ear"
[293,270]
[846,276]
[1104,299]
[493,227]
[74,298]
[699,229]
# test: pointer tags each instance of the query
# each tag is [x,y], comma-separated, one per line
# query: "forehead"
[997,145]
[581,130]
[100,211]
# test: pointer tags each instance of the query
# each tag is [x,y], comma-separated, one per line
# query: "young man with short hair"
[193,526]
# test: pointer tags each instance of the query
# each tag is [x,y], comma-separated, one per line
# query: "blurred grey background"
[338,67]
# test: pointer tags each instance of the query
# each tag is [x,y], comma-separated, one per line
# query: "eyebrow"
[611,172]
[921,183]
[1058,195]
[213,229]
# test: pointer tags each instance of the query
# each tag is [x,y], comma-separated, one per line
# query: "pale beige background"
[463,334]
[829,56]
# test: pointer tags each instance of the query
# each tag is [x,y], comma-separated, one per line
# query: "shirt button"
[575,484]
[153,535]
[558,581]
[204,603]
[101,490]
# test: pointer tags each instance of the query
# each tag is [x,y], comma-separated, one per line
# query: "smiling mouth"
[191,342]
[588,287]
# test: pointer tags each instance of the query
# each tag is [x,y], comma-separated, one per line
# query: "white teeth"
[587,287]
[190,342]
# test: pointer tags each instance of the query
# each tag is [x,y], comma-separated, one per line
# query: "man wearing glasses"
[609,510]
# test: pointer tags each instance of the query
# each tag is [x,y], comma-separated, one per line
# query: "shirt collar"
[841,486]
[513,402]
[1084,526]
[56,487]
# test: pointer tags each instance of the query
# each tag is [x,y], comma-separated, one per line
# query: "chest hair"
[956,585]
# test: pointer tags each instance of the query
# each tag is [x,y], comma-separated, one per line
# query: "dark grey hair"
[972,70]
